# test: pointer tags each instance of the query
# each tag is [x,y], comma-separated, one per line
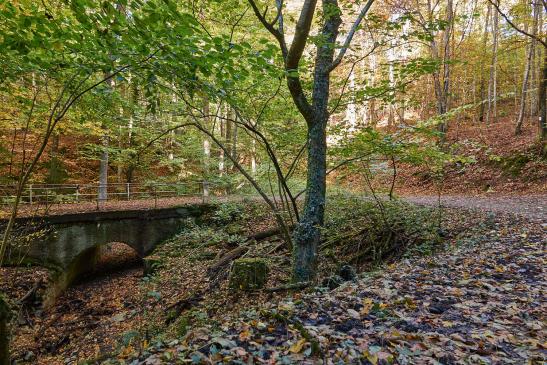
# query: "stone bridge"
[72,242]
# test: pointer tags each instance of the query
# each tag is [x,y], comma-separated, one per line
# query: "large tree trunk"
[484,44]
[542,105]
[307,234]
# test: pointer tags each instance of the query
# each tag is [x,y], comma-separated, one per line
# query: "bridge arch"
[73,242]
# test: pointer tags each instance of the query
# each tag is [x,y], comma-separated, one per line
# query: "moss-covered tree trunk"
[4,333]
[543,105]
[307,234]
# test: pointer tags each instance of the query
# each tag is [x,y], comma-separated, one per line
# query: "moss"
[202,256]
[249,274]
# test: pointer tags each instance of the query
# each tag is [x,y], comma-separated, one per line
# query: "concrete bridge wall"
[73,234]
[73,241]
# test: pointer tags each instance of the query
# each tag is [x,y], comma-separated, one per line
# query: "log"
[265,234]
[237,252]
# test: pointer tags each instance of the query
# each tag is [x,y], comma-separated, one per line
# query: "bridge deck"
[26,211]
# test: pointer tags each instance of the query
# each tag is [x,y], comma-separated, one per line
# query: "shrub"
[362,229]
[228,213]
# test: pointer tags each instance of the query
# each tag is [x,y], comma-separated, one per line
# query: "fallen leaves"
[481,303]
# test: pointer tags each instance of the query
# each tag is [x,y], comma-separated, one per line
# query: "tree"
[68,52]
[542,92]
[529,65]
[315,111]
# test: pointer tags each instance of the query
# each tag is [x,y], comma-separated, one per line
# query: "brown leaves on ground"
[480,302]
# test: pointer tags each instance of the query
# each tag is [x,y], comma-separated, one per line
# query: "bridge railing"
[47,194]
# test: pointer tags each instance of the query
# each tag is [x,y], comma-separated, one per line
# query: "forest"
[273,181]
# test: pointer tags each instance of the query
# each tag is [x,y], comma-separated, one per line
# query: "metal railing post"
[205,186]
[30,193]
[128,191]
[155,196]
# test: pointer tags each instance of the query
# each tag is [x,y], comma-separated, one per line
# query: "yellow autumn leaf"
[373,359]
[244,335]
[297,347]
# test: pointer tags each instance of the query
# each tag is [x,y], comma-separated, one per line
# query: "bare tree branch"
[535,37]
[301,32]
[270,27]
[351,33]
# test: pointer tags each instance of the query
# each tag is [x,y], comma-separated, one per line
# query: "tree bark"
[518,128]
[103,172]
[484,44]
[492,111]
[542,122]
[307,234]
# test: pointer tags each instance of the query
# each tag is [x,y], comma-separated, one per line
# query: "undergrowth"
[363,230]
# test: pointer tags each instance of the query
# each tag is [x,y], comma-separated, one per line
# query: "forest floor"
[503,163]
[479,299]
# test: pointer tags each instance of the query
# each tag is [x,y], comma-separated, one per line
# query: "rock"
[29,356]
[150,264]
[5,315]
[348,273]
[332,282]
[248,274]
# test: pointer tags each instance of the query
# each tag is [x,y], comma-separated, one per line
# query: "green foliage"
[228,212]
[361,229]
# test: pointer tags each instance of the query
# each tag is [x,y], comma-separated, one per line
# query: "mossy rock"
[332,282]
[347,272]
[249,274]
[514,164]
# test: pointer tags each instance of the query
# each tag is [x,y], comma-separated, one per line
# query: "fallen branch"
[237,252]
[31,293]
[183,304]
[265,234]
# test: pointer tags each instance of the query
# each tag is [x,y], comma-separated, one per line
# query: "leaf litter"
[482,300]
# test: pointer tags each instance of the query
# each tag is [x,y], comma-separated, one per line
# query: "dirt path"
[530,206]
